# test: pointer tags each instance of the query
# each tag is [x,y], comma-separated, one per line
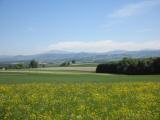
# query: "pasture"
[64,95]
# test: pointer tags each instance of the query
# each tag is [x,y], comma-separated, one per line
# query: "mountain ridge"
[59,56]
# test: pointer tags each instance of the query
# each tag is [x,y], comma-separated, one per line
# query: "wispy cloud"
[103,46]
[31,29]
[135,8]
[108,26]
[143,30]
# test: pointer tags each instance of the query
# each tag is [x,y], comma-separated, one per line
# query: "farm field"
[60,95]
[73,68]
[84,65]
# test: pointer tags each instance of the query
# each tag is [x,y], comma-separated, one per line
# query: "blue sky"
[34,26]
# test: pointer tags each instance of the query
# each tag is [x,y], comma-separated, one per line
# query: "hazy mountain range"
[60,56]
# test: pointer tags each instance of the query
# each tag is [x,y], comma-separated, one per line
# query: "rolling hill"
[60,56]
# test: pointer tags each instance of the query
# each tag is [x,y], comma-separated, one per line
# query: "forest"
[138,66]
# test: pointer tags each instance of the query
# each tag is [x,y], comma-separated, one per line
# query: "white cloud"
[22,52]
[134,8]
[103,46]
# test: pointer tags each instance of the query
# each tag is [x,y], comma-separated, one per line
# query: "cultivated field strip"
[86,69]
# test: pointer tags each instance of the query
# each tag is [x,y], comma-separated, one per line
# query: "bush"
[64,64]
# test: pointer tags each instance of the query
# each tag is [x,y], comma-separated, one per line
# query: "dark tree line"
[68,63]
[65,64]
[131,66]
[31,64]
[15,66]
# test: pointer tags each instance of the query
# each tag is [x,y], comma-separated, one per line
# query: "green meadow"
[68,95]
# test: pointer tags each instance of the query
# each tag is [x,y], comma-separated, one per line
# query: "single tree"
[73,61]
[33,64]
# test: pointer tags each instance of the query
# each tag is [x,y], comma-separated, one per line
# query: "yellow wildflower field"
[80,101]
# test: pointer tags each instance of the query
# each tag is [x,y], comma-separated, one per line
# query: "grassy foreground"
[83,96]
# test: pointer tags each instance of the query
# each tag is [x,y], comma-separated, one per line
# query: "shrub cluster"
[131,66]
[31,64]
[16,66]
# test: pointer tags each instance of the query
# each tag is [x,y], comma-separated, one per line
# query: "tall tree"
[33,64]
